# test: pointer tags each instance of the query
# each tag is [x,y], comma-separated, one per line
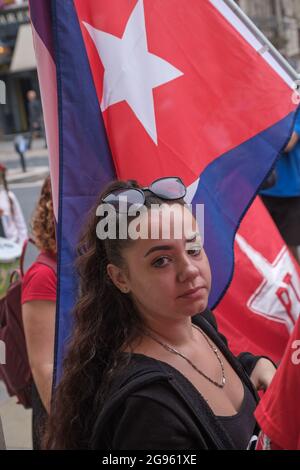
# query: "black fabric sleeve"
[249,361]
[144,424]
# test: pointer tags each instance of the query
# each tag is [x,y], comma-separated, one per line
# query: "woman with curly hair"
[146,367]
[38,310]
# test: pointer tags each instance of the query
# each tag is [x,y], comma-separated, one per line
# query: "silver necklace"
[214,349]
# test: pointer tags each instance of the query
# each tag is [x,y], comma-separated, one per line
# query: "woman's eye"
[160,262]
[194,251]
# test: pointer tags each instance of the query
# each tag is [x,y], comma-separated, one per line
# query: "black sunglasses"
[170,188]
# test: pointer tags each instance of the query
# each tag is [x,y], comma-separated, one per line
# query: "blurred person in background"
[283,199]
[36,122]
[13,228]
[38,310]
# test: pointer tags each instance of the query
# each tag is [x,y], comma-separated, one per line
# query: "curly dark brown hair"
[105,323]
[43,221]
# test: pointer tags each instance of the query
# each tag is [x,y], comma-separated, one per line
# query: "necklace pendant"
[169,348]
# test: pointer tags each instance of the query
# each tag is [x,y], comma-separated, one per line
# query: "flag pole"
[267,46]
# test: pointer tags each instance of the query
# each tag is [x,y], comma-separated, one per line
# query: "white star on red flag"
[278,296]
[131,71]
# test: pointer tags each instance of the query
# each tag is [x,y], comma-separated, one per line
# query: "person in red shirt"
[278,413]
[38,311]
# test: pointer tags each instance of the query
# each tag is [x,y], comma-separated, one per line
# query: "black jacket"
[151,406]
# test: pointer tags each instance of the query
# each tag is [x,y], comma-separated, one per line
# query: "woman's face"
[168,277]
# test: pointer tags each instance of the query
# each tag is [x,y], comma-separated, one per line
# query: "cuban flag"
[262,305]
[150,88]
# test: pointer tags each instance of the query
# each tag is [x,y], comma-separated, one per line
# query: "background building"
[280,22]
[17,65]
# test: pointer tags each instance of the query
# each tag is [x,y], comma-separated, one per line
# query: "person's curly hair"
[105,323]
[43,222]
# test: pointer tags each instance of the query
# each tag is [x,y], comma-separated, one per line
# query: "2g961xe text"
[161,459]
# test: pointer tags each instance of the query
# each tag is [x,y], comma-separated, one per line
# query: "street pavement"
[16,421]
[36,162]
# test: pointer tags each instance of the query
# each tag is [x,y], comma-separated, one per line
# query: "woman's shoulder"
[38,270]
[141,374]
[146,411]
[146,378]
[138,367]
[39,283]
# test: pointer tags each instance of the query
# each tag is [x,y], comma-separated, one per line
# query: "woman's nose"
[187,270]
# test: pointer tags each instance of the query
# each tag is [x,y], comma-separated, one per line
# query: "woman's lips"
[192,293]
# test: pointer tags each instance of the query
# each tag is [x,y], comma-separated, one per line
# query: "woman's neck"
[177,333]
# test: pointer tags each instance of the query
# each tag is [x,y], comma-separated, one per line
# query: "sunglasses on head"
[170,188]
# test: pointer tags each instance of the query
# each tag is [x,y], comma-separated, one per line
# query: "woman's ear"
[118,278]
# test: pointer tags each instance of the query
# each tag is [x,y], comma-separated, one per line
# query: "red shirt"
[39,283]
[278,413]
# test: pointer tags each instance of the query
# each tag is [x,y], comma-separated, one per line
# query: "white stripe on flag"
[48,86]
[242,28]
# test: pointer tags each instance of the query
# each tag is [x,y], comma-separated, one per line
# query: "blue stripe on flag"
[85,160]
[40,14]
[227,187]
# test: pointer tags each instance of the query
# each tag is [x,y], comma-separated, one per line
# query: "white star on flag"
[131,72]
[277,297]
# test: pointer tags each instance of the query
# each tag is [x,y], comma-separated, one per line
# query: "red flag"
[180,98]
[262,304]
[188,91]
[152,88]
[278,413]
